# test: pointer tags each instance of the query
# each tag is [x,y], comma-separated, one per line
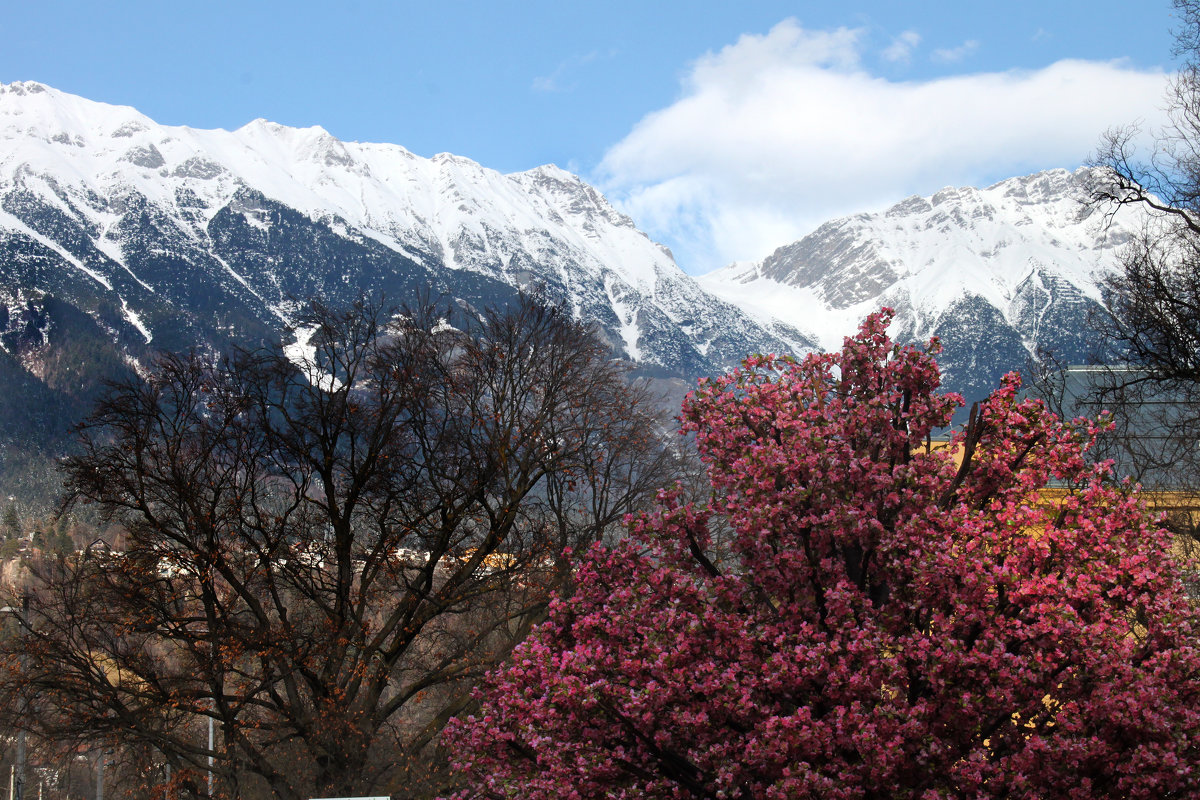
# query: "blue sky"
[724,128]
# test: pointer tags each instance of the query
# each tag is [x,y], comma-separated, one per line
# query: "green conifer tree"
[11,525]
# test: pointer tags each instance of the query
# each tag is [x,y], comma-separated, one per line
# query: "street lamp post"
[17,791]
[211,740]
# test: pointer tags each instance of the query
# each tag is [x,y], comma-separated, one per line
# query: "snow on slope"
[926,254]
[382,189]
[95,162]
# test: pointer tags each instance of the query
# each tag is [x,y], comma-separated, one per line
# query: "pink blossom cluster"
[853,614]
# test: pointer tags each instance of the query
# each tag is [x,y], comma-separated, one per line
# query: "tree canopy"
[1151,331]
[857,613]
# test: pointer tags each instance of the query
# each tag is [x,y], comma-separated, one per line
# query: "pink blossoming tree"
[856,615]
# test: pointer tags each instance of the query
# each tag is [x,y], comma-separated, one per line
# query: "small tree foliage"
[854,614]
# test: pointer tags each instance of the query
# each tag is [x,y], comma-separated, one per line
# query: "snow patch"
[134,319]
[626,319]
[303,353]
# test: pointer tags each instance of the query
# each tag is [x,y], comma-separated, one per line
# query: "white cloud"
[953,55]
[901,48]
[779,132]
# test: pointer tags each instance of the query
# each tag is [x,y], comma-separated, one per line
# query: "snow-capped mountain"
[120,236]
[163,233]
[996,273]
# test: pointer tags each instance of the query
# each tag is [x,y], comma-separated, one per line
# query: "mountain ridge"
[120,237]
[443,213]
[1012,269]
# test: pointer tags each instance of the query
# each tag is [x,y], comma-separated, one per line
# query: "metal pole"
[100,776]
[210,752]
[16,773]
[19,793]
[211,655]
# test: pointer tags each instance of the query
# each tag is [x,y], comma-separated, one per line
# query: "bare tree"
[325,551]
[1152,319]
[1165,180]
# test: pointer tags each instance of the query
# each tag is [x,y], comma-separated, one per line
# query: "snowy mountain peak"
[1016,265]
[27,106]
[555,172]
[926,252]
